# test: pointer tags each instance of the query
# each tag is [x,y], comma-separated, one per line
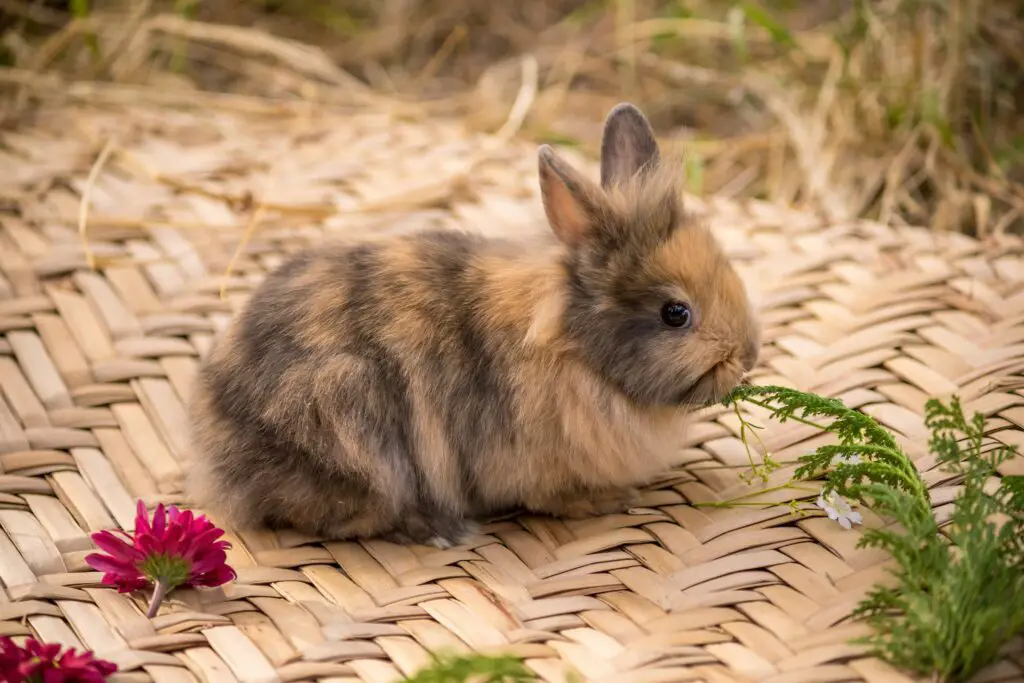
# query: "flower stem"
[732,502]
[160,590]
[796,418]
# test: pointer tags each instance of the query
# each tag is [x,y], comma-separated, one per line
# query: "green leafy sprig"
[959,594]
[450,668]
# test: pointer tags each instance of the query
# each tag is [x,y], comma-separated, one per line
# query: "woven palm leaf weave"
[98,346]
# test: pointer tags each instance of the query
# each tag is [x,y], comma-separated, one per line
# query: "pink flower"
[176,549]
[39,663]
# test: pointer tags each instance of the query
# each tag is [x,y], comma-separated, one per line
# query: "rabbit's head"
[651,304]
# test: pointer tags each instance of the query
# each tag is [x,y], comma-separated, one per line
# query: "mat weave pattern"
[96,364]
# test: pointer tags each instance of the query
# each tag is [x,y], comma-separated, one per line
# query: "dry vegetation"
[901,110]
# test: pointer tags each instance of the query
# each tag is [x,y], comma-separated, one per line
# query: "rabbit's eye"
[676,314]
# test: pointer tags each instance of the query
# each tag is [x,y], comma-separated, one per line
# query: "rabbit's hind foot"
[441,532]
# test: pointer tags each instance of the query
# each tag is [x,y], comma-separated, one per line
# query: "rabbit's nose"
[749,354]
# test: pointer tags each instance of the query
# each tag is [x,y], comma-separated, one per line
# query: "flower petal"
[220,575]
[141,519]
[104,563]
[159,520]
[47,664]
[116,549]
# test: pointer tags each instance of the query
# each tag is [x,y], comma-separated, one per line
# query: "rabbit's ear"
[569,198]
[627,146]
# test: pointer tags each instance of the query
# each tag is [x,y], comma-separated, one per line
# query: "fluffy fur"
[405,387]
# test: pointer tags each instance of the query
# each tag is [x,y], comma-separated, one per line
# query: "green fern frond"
[786,404]
[448,668]
[860,437]
[1011,493]
[959,593]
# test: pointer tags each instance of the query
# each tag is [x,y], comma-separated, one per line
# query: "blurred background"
[904,111]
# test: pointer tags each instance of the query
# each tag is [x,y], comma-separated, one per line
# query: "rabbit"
[407,387]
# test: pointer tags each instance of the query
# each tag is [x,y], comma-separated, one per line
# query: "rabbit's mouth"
[705,391]
[713,386]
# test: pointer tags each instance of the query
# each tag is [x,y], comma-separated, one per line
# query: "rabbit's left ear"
[627,146]
[570,200]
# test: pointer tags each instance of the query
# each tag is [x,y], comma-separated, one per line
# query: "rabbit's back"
[372,375]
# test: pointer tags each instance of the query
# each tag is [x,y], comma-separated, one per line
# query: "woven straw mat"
[99,347]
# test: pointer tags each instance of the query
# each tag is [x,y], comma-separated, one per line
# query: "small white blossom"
[839,509]
[847,459]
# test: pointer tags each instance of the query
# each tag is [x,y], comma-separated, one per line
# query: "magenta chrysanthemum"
[176,549]
[44,663]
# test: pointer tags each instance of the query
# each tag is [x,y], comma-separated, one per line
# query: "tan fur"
[405,388]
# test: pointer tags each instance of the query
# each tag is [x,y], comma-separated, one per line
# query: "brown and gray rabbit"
[404,387]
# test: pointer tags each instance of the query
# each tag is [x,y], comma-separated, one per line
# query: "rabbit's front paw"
[590,504]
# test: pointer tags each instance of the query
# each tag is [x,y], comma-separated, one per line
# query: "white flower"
[838,509]
[847,459]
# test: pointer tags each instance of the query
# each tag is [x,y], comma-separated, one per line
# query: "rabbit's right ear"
[569,198]
[627,145]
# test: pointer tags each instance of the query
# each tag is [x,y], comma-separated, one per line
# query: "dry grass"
[900,110]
